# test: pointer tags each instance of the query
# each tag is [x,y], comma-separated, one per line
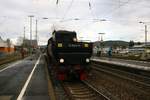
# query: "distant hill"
[112,43]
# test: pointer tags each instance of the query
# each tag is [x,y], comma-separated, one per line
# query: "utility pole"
[101,43]
[101,36]
[145,27]
[24,28]
[145,35]
[31,16]
[144,55]
[24,33]
[36,31]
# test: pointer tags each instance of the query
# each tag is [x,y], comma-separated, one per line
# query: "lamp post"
[24,33]
[145,27]
[101,36]
[44,18]
[101,43]
[31,16]
[24,36]
[36,30]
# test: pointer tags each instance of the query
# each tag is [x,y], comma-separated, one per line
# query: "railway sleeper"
[80,90]
[85,97]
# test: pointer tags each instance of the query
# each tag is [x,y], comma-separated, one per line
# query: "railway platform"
[25,79]
[142,65]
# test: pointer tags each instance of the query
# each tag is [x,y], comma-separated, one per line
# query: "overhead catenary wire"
[3,20]
[68,9]
[94,15]
[57,1]
[89,5]
[90,8]
[3,34]
[121,4]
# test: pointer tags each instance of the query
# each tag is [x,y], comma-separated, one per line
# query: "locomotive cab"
[66,50]
[64,36]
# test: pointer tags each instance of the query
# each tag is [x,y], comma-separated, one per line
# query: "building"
[27,43]
[6,46]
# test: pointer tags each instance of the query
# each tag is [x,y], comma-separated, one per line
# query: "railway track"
[82,90]
[140,81]
[8,60]
[117,84]
[136,78]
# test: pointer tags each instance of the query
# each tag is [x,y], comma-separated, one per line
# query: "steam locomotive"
[67,56]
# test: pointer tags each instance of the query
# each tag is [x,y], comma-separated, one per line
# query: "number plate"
[74,45]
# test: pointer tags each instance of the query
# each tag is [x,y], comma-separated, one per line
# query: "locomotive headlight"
[87,60]
[86,45]
[61,60]
[75,39]
[59,45]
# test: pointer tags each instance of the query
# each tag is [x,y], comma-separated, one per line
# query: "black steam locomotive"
[67,56]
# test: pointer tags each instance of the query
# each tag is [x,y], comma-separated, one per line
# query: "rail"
[82,90]
[124,74]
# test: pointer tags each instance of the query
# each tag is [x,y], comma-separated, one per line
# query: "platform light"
[61,60]
[87,60]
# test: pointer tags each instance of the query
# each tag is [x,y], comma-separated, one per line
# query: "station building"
[6,46]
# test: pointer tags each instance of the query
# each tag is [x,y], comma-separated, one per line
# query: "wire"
[117,8]
[91,9]
[68,9]
[3,19]
[57,1]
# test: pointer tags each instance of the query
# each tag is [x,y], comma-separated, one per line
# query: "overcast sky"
[122,17]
